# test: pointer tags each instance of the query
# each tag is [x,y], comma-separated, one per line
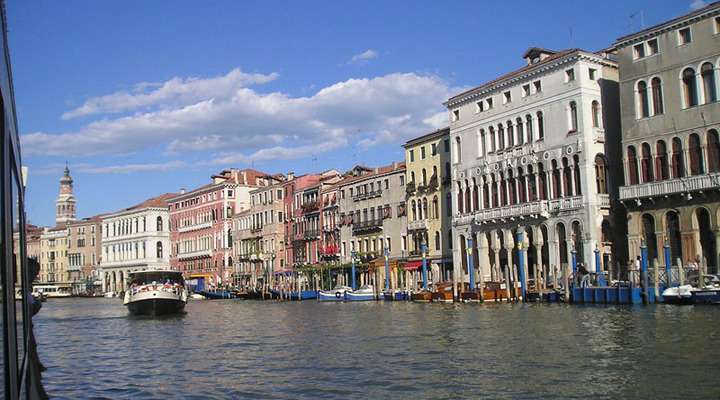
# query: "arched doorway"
[707,239]
[562,243]
[672,227]
[578,243]
[648,229]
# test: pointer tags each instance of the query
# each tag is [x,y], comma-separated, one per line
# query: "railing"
[367,195]
[604,200]
[672,186]
[195,226]
[256,229]
[311,234]
[367,226]
[418,225]
[524,209]
[311,206]
[195,254]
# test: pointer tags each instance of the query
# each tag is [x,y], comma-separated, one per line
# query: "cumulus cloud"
[175,92]
[226,122]
[697,4]
[366,55]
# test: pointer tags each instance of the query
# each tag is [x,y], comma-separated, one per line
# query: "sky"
[143,97]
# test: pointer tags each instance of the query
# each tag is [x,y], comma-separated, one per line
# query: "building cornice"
[125,213]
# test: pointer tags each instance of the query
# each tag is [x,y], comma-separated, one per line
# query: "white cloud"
[697,4]
[174,92]
[249,125]
[53,169]
[366,55]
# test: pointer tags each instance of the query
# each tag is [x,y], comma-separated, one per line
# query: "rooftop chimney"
[290,175]
[182,190]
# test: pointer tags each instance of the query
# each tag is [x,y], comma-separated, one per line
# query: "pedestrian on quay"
[35,366]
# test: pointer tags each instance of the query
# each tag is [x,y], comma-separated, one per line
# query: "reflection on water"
[268,350]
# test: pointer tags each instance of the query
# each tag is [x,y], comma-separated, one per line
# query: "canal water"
[270,350]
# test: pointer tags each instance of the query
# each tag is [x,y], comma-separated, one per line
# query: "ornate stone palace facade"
[670,123]
[530,153]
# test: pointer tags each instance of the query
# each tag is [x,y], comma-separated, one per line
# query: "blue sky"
[146,97]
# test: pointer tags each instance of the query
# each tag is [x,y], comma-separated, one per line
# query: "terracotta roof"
[669,22]
[158,201]
[398,166]
[517,72]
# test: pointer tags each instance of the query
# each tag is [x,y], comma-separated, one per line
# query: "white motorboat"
[156,293]
[678,294]
[365,293]
[336,294]
[52,290]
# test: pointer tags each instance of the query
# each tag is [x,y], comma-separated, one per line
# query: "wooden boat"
[443,293]
[365,293]
[423,296]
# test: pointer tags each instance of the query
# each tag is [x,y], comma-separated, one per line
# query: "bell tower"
[65,203]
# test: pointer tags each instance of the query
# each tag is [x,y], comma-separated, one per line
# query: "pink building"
[201,225]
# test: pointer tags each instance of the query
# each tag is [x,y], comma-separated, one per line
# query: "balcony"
[367,195]
[195,227]
[409,188]
[311,206]
[313,234]
[672,186]
[195,254]
[604,200]
[370,226]
[418,225]
[540,207]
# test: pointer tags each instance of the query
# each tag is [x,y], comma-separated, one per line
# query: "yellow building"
[54,258]
[428,195]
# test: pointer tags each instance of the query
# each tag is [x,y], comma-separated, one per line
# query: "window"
[713,147]
[480,106]
[481,143]
[696,160]
[447,171]
[538,86]
[658,107]
[646,164]
[592,74]
[402,180]
[717,25]
[501,137]
[642,98]
[632,165]
[541,128]
[652,47]
[526,90]
[662,167]
[456,155]
[684,36]
[493,145]
[639,51]
[159,250]
[447,145]
[601,174]
[507,97]
[434,149]
[689,86]
[595,109]
[387,184]
[519,129]
[159,226]
[456,115]
[573,117]
[412,155]
[707,73]
[489,103]
[569,75]
[437,240]
[529,127]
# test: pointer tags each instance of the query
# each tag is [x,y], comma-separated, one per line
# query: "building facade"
[330,221]
[373,219]
[671,151]
[429,202]
[201,224]
[54,258]
[135,239]
[84,254]
[297,243]
[530,154]
[259,238]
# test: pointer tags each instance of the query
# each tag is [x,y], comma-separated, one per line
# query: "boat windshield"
[143,278]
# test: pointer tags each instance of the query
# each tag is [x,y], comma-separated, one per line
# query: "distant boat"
[443,292]
[336,294]
[396,295]
[365,293]
[52,290]
[156,293]
[217,294]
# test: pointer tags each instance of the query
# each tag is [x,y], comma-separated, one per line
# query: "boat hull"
[155,307]
[422,297]
[331,295]
[359,296]
[706,296]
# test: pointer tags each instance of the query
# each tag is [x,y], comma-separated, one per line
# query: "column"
[549,190]
[497,271]
[483,259]
[573,189]
[481,192]
[526,181]
[517,190]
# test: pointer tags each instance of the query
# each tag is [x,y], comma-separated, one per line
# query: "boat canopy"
[145,277]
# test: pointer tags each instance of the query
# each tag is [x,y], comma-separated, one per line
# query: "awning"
[413,265]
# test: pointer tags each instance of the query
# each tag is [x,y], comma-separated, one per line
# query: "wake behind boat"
[156,293]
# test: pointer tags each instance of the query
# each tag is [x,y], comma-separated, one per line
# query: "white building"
[135,239]
[529,154]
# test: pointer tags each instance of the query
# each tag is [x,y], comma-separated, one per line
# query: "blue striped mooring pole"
[519,238]
[471,269]
[668,263]
[352,260]
[598,268]
[423,249]
[387,269]
[644,269]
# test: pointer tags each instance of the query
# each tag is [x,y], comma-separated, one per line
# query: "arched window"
[494,192]
[229,237]
[511,134]
[475,199]
[414,211]
[159,249]
[501,137]
[486,195]
[707,72]
[435,208]
[448,204]
[447,172]
[555,180]
[520,130]
[437,240]
[457,156]
[503,191]
[423,173]
[677,159]
[460,198]
[576,169]
[542,189]
[521,198]
[632,165]
[541,125]
[646,163]
[600,174]
[567,175]
[595,108]
[512,198]
[713,145]
[532,187]
[662,166]
[493,140]
[573,117]
[689,85]
[657,98]
[412,177]
[481,143]
[696,160]
[529,128]
[159,225]
[425,208]
[643,103]
[468,190]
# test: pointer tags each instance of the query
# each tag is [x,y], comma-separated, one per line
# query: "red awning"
[413,265]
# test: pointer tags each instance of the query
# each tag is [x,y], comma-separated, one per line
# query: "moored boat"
[336,294]
[156,293]
[443,292]
[423,296]
[396,295]
[365,293]
[678,295]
